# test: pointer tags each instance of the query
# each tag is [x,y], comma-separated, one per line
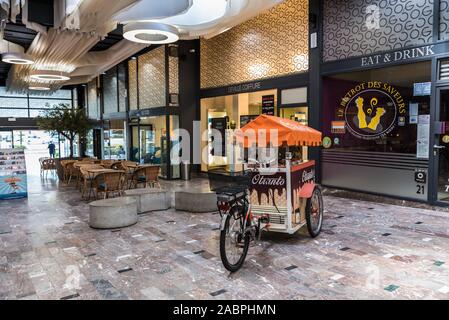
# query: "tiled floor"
[366,250]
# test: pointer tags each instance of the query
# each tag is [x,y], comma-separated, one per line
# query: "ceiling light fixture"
[201,12]
[145,10]
[150,33]
[49,75]
[17,58]
[39,88]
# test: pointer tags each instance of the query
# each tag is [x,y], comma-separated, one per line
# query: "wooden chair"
[87,179]
[41,164]
[147,175]
[129,167]
[109,183]
[47,164]
[66,164]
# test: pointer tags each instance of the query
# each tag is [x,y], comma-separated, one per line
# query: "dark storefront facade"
[383,97]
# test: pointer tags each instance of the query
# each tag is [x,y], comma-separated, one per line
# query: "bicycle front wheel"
[234,243]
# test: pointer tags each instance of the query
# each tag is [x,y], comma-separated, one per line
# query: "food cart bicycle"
[283,198]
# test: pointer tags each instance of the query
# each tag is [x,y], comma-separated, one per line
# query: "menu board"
[423,137]
[268,105]
[13,177]
[220,125]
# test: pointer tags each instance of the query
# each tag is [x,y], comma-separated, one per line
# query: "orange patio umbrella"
[288,131]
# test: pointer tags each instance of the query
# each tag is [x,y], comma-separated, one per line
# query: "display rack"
[13,175]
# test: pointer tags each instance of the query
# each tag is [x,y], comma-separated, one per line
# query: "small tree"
[64,120]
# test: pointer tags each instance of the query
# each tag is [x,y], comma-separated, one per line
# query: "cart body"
[280,195]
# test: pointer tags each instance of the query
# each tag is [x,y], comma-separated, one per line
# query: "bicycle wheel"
[314,213]
[233,243]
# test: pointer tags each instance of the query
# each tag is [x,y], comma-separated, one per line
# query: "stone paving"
[366,251]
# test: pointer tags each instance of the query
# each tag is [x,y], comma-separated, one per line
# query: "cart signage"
[259,179]
[271,189]
[308,175]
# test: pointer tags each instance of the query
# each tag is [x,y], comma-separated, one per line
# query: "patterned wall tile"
[152,78]
[444,20]
[272,44]
[132,84]
[173,74]
[402,23]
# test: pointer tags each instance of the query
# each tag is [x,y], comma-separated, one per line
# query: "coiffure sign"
[245,87]
[371,109]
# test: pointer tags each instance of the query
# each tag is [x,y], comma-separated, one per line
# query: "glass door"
[441,147]
[6,140]
[301,115]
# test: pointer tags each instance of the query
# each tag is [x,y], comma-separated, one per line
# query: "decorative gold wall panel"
[132,82]
[272,44]
[152,78]
[173,73]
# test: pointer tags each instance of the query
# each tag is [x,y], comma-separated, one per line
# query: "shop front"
[376,127]
[234,111]
[383,94]
[258,67]
[153,139]
[384,103]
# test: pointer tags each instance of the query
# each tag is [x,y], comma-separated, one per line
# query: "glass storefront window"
[377,110]
[376,130]
[90,143]
[149,142]
[174,145]
[115,140]
[301,115]
[443,151]
[232,111]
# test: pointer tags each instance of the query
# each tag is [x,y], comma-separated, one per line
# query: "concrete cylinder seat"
[113,213]
[200,201]
[150,199]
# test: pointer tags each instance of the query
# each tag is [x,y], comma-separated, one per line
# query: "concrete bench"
[199,201]
[113,213]
[150,199]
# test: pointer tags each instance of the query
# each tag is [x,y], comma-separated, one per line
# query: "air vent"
[444,70]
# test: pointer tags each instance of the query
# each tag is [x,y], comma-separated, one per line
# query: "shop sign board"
[13,177]
[268,105]
[422,89]
[403,55]
[254,86]
[372,109]
[398,56]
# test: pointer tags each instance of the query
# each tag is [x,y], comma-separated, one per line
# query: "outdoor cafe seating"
[108,178]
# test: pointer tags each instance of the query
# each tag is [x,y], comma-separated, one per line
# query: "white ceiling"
[66,47]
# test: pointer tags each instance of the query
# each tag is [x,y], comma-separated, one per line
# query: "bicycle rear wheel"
[234,243]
